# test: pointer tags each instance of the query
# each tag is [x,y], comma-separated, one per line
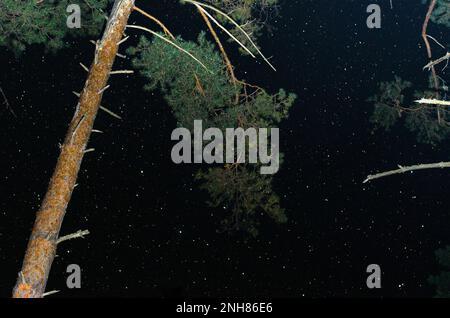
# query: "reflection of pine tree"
[194,90]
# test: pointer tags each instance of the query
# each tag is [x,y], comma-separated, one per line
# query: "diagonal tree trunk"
[43,241]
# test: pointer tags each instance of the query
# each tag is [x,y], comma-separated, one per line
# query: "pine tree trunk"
[42,244]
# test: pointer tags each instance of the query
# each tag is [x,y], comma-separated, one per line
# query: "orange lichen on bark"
[41,247]
[24,290]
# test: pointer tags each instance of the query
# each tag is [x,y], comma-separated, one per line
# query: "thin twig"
[225,30]
[222,50]
[430,56]
[123,40]
[82,118]
[438,61]
[436,41]
[106,110]
[237,26]
[401,169]
[78,234]
[170,42]
[103,89]
[5,101]
[84,67]
[122,72]
[165,29]
[50,293]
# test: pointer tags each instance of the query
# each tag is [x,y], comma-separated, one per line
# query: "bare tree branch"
[80,233]
[110,112]
[5,101]
[435,62]
[50,293]
[122,72]
[433,102]
[401,169]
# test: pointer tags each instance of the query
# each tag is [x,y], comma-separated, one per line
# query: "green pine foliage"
[251,15]
[441,13]
[180,78]
[191,91]
[387,102]
[243,193]
[442,280]
[394,103]
[23,23]
[424,122]
[194,93]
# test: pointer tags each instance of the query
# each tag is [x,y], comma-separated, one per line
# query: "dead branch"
[225,30]
[78,234]
[109,112]
[5,101]
[84,67]
[401,169]
[203,5]
[433,102]
[436,62]
[122,72]
[50,293]
[165,29]
[427,44]
[222,50]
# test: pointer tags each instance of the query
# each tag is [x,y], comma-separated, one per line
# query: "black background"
[151,231]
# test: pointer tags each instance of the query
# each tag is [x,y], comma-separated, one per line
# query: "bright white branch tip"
[122,72]
[50,293]
[433,102]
